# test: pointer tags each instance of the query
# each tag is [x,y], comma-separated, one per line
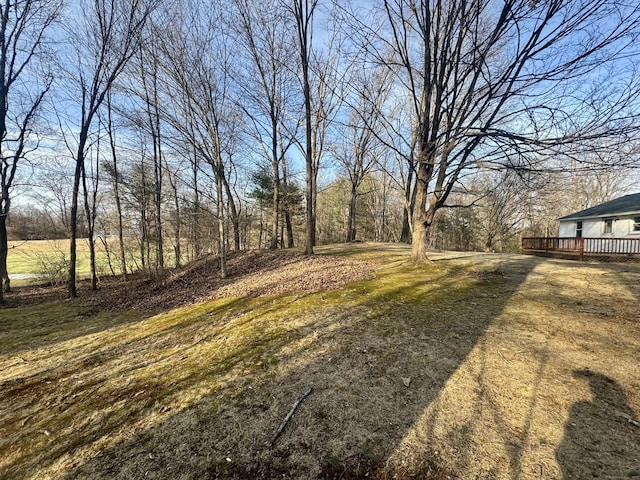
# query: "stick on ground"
[289,415]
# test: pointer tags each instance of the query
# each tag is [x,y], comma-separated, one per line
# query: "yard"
[472,366]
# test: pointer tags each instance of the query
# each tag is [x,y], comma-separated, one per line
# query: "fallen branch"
[289,415]
[627,417]
[503,358]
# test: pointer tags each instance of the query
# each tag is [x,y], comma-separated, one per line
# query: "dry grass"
[40,257]
[474,366]
[31,257]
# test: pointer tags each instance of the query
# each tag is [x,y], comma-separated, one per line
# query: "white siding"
[590,228]
[567,228]
[594,227]
[626,227]
[622,227]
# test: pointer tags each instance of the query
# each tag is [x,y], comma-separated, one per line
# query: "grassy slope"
[480,366]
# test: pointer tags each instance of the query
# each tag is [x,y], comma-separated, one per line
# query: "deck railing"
[582,247]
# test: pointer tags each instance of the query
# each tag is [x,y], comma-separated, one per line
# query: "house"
[609,230]
[617,218]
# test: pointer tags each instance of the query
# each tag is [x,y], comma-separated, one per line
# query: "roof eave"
[608,215]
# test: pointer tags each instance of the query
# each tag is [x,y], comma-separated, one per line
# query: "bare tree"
[113,169]
[23,27]
[303,12]
[358,148]
[267,84]
[511,83]
[149,121]
[199,106]
[173,177]
[90,186]
[105,42]
[501,199]
[323,78]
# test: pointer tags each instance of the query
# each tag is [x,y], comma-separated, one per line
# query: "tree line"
[210,126]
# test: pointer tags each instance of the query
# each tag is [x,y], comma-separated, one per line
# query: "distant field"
[32,256]
[42,258]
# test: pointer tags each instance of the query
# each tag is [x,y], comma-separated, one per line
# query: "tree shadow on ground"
[503,413]
[601,436]
[377,355]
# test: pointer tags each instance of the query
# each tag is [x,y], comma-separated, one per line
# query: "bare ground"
[471,367]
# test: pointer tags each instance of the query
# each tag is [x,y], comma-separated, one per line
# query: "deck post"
[581,249]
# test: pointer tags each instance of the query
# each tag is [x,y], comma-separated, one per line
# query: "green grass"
[48,257]
[30,257]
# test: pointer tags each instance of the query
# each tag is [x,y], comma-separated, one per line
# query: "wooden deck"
[583,248]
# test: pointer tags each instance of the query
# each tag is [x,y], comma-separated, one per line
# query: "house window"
[579,229]
[636,224]
[608,225]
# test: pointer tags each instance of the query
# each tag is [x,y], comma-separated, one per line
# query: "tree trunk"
[410,192]
[405,234]
[196,240]
[285,205]
[144,227]
[261,227]
[233,211]
[158,207]
[177,249]
[289,225]
[116,188]
[123,258]
[4,250]
[421,218]
[310,225]
[222,234]
[351,221]
[276,183]
[157,172]
[304,17]
[73,220]
[89,211]
[419,242]
[92,260]
[314,207]
[107,251]
[383,219]
[5,282]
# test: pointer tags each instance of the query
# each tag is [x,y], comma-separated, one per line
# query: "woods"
[199,128]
